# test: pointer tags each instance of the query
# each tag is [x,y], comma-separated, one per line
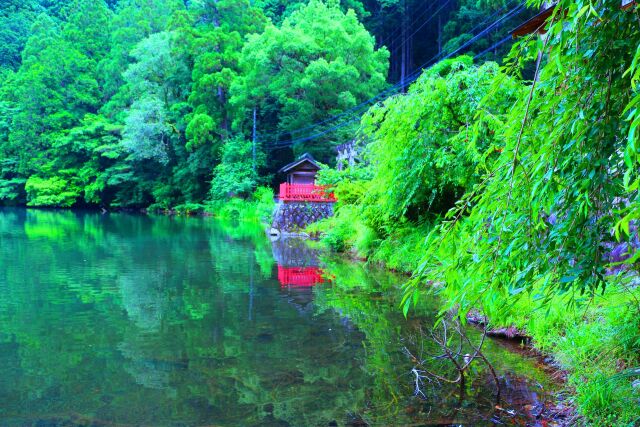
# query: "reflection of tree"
[378,320]
[370,300]
[142,298]
[159,320]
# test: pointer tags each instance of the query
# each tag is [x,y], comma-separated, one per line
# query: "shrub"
[54,191]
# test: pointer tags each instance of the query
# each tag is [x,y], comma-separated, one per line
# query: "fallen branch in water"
[452,350]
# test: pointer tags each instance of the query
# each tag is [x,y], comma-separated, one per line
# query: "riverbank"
[593,340]
[257,208]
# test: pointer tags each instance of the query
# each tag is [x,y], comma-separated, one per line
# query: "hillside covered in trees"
[503,175]
[137,103]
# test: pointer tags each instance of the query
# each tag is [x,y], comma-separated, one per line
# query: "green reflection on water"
[136,320]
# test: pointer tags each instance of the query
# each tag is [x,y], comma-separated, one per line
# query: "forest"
[501,173]
[165,103]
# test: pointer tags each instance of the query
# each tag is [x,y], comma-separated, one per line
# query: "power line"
[409,80]
[423,24]
[501,42]
[470,31]
[357,107]
[386,39]
[492,16]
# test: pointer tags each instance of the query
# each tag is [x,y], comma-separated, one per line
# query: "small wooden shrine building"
[301,182]
[301,171]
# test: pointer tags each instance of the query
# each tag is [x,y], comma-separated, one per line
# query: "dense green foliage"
[545,211]
[516,193]
[540,229]
[425,150]
[434,139]
[331,65]
[129,105]
[132,103]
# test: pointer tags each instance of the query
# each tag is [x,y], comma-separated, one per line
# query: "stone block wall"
[293,217]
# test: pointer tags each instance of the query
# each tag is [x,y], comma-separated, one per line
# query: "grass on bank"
[345,232]
[259,207]
[256,208]
[597,341]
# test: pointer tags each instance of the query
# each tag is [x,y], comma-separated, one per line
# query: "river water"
[132,320]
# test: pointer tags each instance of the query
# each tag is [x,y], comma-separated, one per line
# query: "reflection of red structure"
[305,193]
[299,276]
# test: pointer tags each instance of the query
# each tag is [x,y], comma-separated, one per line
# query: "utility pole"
[403,48]
[251,288]
[255,137]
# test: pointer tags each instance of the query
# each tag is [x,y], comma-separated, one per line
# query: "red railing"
[299,276]
[305,193]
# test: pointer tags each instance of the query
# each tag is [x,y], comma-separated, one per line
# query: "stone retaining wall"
[292,217]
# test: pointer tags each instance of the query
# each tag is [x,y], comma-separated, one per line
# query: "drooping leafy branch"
[542,220]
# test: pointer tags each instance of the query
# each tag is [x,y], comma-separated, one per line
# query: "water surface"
[128,320]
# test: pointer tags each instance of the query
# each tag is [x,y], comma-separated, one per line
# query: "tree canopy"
[131,103]
[319,63]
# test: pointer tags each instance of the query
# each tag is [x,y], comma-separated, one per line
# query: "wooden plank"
[538,23]
[534,25]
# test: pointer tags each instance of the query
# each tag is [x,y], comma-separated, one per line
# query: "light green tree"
[319,63]
[237,173]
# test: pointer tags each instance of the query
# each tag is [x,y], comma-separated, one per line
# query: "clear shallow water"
[127,320]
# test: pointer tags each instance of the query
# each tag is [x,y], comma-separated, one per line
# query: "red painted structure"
[305,193]
[303,277]
[301,182]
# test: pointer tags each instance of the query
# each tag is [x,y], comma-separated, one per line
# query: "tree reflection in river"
[130,319]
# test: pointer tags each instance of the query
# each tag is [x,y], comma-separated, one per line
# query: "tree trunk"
[439,35]
[222,98]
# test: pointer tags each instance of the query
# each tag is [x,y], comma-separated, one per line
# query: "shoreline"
[560,412]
